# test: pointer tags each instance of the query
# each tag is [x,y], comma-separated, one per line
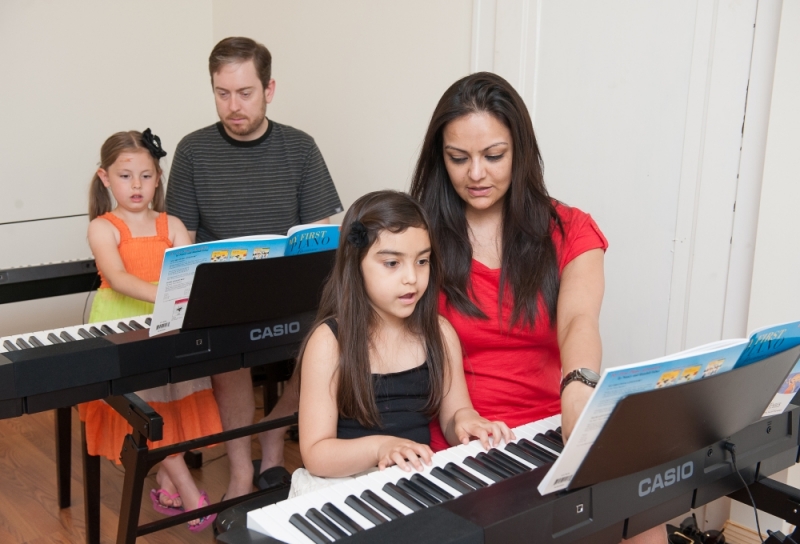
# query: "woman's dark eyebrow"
[482,150]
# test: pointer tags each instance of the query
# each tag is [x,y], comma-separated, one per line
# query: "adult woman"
[522,273]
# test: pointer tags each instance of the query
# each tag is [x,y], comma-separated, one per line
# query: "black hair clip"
[153,144]
[358,236]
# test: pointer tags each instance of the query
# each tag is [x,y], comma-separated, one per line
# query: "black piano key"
[54,339]
[481,467]
[461,474]
[524,455]
[108,330]
[495,466]
[507,461]
[86,335]
[148,321]
[548,443]
[341,518]
[431,487]
[10,346]
[536,450]
[559,431]
[417,492]
[35,342]
[555,437]
[96,332]
[381,505]
[397,493]
[305,527]
[453,482]
[321,521]
[22,344]
[364,509]
[123,327]
[136,325]
[67,336]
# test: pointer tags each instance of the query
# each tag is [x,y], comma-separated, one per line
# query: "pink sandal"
[205,521]
[155,496]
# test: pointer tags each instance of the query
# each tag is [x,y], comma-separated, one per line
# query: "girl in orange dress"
[128,241]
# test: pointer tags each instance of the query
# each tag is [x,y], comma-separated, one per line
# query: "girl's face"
[132,179]
[477,154]
[396,271]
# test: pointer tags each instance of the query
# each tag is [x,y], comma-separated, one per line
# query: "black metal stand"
[63,429]
[137,459]
[775,498]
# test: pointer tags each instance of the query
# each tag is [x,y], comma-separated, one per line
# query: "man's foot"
[276,476]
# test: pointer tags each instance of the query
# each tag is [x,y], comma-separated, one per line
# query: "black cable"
[732,449]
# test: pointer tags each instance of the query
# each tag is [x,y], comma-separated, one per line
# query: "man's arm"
[181,198]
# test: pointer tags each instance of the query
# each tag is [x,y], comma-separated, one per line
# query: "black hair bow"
[358,236]
[153,144]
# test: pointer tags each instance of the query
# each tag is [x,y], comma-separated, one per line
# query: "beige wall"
[361,77]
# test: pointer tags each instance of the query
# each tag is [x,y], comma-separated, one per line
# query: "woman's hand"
[467,423]
[403,453]
[574,398]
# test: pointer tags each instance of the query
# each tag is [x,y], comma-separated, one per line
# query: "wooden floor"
[28,498]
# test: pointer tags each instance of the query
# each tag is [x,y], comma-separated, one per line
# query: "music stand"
[655,427]
[233,293]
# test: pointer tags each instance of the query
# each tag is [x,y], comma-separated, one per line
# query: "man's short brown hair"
[236,50]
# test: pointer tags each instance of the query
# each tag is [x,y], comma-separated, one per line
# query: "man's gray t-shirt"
[223,188]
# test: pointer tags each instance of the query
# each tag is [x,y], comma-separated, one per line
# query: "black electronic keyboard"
[62,367]
[47,280]
[471,496]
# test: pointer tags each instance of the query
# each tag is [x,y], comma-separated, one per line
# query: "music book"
[689,365]
[180,263]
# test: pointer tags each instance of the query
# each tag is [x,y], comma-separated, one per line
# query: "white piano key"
[375,482]
[336,495]
[295,505]
[272,520]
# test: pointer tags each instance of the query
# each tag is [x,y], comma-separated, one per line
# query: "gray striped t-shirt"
[224,188]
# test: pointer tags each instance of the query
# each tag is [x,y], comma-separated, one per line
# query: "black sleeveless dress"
[401,399]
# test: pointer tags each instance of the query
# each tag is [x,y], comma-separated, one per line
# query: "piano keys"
[381,497]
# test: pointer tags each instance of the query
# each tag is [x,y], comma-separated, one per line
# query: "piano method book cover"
[692,364]
[180,263]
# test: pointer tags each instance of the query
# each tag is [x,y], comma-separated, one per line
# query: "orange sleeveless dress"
[188,408]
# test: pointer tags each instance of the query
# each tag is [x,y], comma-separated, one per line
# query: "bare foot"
[173,500]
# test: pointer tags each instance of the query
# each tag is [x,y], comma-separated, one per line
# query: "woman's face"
[477,154]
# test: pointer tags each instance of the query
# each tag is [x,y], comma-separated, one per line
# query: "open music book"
[692,364]
[177,272]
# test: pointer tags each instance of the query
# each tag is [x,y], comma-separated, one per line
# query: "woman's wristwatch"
[585,375]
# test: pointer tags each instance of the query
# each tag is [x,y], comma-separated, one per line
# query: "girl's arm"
[458,419]
[178,234]
[324,454]
[579,301]
[103,243]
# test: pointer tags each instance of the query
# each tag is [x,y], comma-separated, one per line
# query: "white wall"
[74,73]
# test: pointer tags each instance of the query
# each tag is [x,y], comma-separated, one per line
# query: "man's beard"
[247,129]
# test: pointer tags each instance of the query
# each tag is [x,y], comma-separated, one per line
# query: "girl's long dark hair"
[100,198]
[529,268]
[344,298]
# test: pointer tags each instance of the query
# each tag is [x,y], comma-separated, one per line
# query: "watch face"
[590,375]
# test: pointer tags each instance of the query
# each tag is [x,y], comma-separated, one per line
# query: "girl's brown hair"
[100,199]
[344,298]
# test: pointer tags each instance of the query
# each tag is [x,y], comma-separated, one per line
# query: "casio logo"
[670,476]
[275,330]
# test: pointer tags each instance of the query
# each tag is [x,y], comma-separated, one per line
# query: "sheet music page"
[619,382]
[180,263]
[768,341]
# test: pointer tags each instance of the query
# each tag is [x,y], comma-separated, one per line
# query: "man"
[242,176]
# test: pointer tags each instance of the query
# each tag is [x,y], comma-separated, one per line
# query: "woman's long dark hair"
[345,299]
[529,267]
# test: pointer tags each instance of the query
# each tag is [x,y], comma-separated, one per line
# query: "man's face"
[242,100]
